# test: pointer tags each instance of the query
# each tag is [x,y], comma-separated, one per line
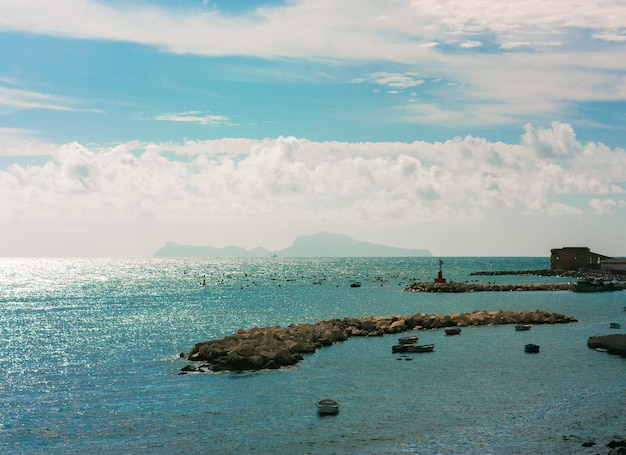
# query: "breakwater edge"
[275,347]
[588,281]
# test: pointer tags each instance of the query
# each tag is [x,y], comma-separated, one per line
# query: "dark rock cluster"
[274,347]
[613,344]
[618,447]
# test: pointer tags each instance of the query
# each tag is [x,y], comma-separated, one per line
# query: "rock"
[614,344]
[397,326]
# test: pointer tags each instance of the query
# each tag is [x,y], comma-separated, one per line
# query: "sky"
[465,127]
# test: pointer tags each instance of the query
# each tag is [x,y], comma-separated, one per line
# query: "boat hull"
[398,348]
[327,407]
[531,348]
[408,339]
[422,348]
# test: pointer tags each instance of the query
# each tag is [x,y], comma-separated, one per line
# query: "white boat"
[522,326]
[327,406]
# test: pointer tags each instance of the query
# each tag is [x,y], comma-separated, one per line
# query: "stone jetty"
[274,347]
[426,286]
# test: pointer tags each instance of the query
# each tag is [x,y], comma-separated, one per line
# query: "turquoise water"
[89,361]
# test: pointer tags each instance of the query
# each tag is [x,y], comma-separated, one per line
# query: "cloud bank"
[238,185]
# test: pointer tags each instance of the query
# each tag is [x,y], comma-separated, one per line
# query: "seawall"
[486,287]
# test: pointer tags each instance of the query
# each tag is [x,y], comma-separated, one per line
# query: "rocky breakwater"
[274,347]
[426,286]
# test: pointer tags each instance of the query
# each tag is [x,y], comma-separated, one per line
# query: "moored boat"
[531,348]
[327,406]
[408,339]
[453,331]
[614,325]
[522,326]
[403,347]
[421,348]
[591,285]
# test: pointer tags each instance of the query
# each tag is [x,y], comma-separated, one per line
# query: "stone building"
[573,258]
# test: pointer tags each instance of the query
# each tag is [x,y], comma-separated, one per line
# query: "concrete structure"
[613,265]
[573,258]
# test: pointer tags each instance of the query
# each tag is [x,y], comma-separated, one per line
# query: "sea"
[90,360]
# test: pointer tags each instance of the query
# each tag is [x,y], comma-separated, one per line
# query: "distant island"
[324,244]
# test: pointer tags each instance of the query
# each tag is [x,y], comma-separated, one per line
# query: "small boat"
[531,348]
[356,284]
[408,339]
[404,347]
[522,326]
[421,348]
[453,331]
[327,406]
[591,285]
[614,325]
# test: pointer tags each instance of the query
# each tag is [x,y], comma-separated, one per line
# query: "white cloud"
[611,36]
[15,99]
[559,141]
[471,44]
[467,180]
[199,117]
[395,80]
[319,28]
[16,142]
[602,206]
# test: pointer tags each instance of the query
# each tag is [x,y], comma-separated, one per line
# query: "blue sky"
[418,124]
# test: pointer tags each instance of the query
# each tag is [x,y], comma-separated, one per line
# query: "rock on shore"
[275,347]
[614,344]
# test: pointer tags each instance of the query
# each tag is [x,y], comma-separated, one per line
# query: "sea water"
[89,361]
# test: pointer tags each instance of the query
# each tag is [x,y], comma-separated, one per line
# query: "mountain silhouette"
[324,244]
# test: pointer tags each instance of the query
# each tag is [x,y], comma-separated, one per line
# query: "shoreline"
[274,347]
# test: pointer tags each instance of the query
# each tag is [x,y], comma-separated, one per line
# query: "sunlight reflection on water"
[91,362]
